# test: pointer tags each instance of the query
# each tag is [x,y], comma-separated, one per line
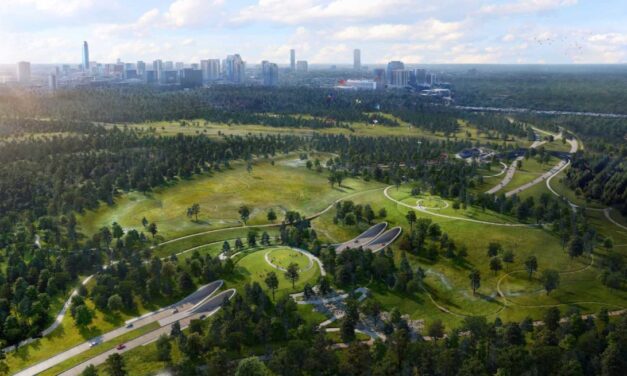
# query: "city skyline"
[321,32]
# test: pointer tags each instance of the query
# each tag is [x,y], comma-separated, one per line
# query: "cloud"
[62,8]
[525,6]
[429,29]
[306,11]
[188,13]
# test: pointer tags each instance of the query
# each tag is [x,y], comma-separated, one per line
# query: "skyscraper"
[392,66]
[234,69]
[85,56]
[302,66]
[293,59]
[270,73]
[357,59]
[210,69]
[157,67]
[141,68]
[23,72]
[52,82]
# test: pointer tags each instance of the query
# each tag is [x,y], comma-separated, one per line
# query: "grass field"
[558,185]
[286,185]
[283,257]
[447,280]
[254,268]
[530,170]
[197,127]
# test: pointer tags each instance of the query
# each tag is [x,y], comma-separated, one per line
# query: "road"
[207,309]
[185,305]
[512,170]
[543,112]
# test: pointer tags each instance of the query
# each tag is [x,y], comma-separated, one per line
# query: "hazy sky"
[322,31]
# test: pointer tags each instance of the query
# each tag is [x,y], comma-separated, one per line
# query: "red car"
[121,346]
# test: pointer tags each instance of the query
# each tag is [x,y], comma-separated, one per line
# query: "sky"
[321,31]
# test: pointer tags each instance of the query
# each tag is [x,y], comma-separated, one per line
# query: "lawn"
[530,170]
[254,268]
[285,185]
[283,257]
[447,280]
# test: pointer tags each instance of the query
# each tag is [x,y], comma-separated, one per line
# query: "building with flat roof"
[191,78]
[270,73]
[302,66]
[293,59]
[23,72]
[210,69]
[235,69]
[85,56]
[400,77]
[357,59]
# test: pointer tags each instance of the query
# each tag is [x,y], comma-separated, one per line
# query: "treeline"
[74,173]
[19,127]
[600,177]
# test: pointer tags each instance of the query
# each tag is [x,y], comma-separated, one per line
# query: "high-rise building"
[191,78]
[235,69]
[357,59]
[293,59]
[179,66]
[157,67]
[270,73]
[379,78]
[23,72]
[400,77]
[392,66]
[141,68]
[85,56]
[210,69]
[421,76]
[52,82]
[302,66]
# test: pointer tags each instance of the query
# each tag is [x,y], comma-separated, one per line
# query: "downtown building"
[210,69]
[269,73]
[234,69]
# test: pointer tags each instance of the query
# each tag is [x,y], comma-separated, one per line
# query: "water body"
[541,112]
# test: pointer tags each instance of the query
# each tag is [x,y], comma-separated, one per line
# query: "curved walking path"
[309,266]
[499,174]
[420,209]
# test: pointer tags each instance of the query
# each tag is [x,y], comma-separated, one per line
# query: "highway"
[207,309]
[188,304]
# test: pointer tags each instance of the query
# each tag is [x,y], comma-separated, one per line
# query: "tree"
[118,232]
[272,282]
[164,348]
[347,330]
[252,367]
[475,280]
[550,280]
[90,370]
[575,247]
[144,222]
[193,211]
[114,303]
[531,265]
[83,315]
[152,229]
[508,257]
[493,249]
[495,264]
[272,215]
[383,213]
[436,329]
[349,219]
[226,247]
[411,218]
[252,239]
[244,213]
[115,365]
[292,273]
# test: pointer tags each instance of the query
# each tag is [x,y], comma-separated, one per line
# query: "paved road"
[512,170]
[207,309]
[186,304]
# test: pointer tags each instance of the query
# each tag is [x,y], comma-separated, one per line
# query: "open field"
[254,268]
[447,280]
[530,170]
[286,185]
[197,127]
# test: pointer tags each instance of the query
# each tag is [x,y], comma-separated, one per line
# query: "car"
[121,346]
[129,326]
[176,310]
[202,316]
[94,342]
